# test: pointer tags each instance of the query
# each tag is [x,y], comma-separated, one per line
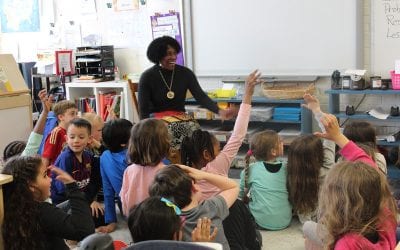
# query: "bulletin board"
[385,36]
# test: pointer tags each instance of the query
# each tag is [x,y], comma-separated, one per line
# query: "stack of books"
[110,105]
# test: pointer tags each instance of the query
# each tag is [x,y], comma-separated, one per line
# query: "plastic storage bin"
[395,80]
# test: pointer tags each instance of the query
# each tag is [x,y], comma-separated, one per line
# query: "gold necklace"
[170,93]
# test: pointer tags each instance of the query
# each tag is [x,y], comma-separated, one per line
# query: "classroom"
[227,77]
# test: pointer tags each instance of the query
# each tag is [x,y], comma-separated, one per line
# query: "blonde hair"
[261,146]
[92,117]
[352,200]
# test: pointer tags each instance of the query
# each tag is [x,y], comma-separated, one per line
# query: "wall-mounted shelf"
[334,108]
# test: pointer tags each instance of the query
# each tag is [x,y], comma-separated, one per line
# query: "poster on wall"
[19,16]
[168,25]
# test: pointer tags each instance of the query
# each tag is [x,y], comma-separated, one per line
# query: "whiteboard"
[232,37]
[385,34]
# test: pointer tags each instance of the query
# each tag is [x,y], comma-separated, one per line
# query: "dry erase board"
[385,34]
[276,36]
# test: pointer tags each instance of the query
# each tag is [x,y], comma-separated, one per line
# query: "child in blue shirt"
[82,166]
[113,163]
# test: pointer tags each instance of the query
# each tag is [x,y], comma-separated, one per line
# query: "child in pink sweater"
[148,145]
[356,209]
[202,151]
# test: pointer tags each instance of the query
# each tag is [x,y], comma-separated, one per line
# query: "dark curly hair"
[116,132]
[193,146]
[158,48]
[21,227]
[13,148]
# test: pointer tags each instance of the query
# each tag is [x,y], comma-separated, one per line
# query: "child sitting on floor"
[32,223]
[113,163]
[80,163]
[178,184]
[356,209]
[263,183]
[148,146]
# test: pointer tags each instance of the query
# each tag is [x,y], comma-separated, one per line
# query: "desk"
[4,179]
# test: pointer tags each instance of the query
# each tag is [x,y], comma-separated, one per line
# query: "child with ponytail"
[263,183]
[202,151]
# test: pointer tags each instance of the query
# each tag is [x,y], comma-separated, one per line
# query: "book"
[105,101]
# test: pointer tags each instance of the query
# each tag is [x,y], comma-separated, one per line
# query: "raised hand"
[332,130]
[47,101]
[252,80]
[311,103]
[202,232]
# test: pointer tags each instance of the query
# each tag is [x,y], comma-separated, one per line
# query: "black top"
[153,91]
[58,225]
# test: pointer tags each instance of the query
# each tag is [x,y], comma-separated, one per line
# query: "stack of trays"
[287,113]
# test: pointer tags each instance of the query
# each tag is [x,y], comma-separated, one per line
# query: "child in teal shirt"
[263,183]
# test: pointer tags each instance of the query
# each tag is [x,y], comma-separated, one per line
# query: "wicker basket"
[287,91]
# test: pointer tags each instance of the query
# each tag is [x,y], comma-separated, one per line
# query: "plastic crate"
[395,80]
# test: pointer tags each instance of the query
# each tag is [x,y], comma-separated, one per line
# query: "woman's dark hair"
[152,219]
[305,159]
[116,132]
[21,228]
[192,148]
[362,132]
[158,48]
[13,148]
[171,181]
[149,142]
[81,123]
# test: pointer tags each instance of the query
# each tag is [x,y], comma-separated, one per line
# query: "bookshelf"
[76,90]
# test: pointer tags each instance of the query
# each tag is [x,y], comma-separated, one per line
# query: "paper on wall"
[397,67]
